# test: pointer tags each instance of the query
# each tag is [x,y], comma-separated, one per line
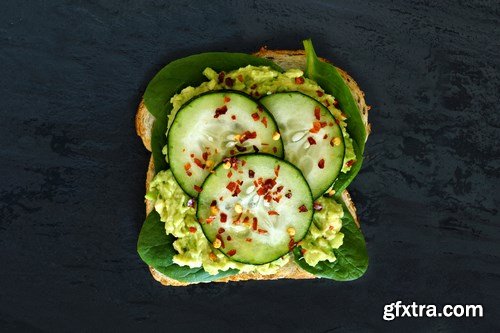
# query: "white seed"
[255,199]
[297,136]
[230,144]
[307,145]
[267,204]
[210,139]
[250,189]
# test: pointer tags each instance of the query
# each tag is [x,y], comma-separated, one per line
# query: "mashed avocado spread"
[177,211]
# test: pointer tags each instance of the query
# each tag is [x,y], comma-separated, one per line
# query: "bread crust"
[286,59]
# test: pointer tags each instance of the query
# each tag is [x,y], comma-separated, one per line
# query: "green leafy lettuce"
[329,78]
[352,257]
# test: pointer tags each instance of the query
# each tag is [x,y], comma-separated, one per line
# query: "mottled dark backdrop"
[72,169]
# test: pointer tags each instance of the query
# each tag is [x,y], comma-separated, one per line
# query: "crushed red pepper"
[220,111]
[223,217]
[321,163]
[299,80]
[311,140]
[303,209]
[231,252]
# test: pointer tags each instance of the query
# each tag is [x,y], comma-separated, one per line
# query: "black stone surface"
[72,169]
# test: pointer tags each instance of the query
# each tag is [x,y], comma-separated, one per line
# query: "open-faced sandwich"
[251,156]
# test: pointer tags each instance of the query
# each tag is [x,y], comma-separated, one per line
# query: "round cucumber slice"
[312,138]
[213,126]
[255,208]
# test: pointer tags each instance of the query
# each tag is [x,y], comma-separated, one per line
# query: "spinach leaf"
[179,74]
[352,257]
[329,78]
[155,249]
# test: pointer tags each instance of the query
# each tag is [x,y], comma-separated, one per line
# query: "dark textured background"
[72,169]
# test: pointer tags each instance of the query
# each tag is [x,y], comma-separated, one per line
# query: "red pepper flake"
[316,127]
[220,111]
[231,186]
[227,99]
[187,166]
[336,103]
[228,238]
[243,163]
[247,135]
[279,189]
[317,206]
[199,163]
[219,237]
[299,80]
[221,230]
[231,252]
[337,121]
[319,93]
[253,86]
[291,244]
[317,113]
[273,212]
[256,94]
[311,140]
[260,108]
[223,217]
[264,121]
[192,155]
[241,149]
[323,124]
[248,240]
[261,191]
[192,230]
[349,163]
[275,150]
[229,82]
[237,191]
[210,219]
[327,103]
[288,195]
[255,116]
[255,149]
[197,188]
[233,117]
[240,78]
[303,209]
[220,78]
[213,203]
[229,174]
[325,136]
[262,231]
[204,155]
[254,223]
[277,170]
[321,163]
[303,251]
[251,173]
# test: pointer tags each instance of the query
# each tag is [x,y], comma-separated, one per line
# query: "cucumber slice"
[312,138]
[213,126]
[255,208]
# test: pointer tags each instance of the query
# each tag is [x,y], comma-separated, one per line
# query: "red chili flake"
[327,103]
[231,252]
[243,163]
[210,219]
[220,78]
[213,203]
[325,136]
[278,198]
[219,237]
[321,163]
[316,127]
[255,116]
[248,240]
[317,206]
[262,231]
[231,186]
[247,135]
[228,238]
[275,150]
[204,155]
[255,149]
[279,188]
[229,82]
[317,113]
[197,188]
[246,219]
[199,163]
[227,99]
[299,80]
[264,121]
[349,163]
[291,244]
[240,148]
[233,117]
[268,197]
[223,217]
[229,174]
[240,78]
[254,224]
[187,166]
[251,173]
[288,195]
[269,183]
[303,251]
[323,124]
[191,202]
[192,155]
[237,191]
[253,86]
[303,209]
[221,230]
[337,121]
[311,140]
[335,103]
[192,230]
[273,212]
[261,191]
[319,93]
[220,111]
[277,170]
[256,94]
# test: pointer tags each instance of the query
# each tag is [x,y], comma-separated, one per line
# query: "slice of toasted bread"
[285,59]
